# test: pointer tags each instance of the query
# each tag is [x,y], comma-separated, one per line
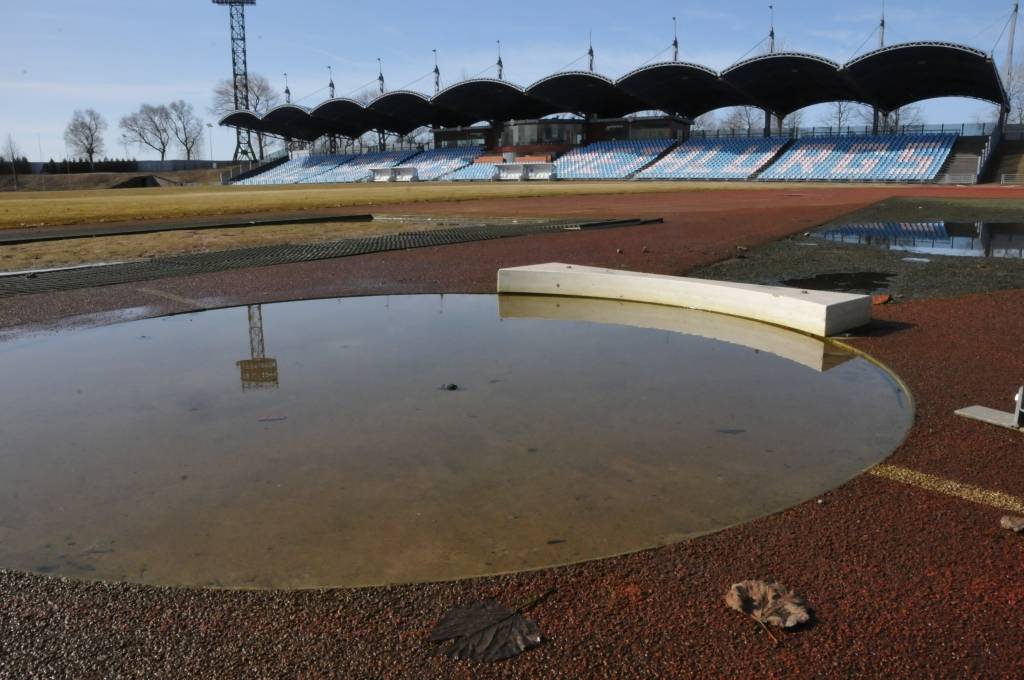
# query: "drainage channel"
[264,256]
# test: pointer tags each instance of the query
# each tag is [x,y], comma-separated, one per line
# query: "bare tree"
[84,134]
[262,98]
[186,126]
[892,122]
[11,152]
[149,126]
[746,118]
[1015,93]
[705,122]
[840,114]
[793,120]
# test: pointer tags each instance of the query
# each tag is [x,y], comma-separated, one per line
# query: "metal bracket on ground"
[1011,421]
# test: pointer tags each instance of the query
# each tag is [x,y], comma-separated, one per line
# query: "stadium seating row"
[890,158]
[360,168]
[437,163]
[895,158]
[297,170]
[320,169]
[715,159]
[477,172]
[610,160]
[885,231]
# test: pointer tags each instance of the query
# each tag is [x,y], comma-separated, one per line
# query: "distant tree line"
[20,166]
[82,165]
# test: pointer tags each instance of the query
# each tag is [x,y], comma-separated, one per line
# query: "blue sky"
[113,55]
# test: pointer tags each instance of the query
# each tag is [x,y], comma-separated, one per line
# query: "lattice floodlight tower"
[240,73]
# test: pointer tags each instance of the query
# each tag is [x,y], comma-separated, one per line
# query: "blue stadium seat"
[477,172]
[359,168]
[868,158]
[437,163]
[715,159]
[895,232]
[610,160]
[296,170]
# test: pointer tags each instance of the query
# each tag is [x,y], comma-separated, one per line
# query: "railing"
[988,152]
[962,129]
[248,166]
[1011,179]
[956,178]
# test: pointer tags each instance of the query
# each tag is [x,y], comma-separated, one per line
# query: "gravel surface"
[903,582]
[806,257]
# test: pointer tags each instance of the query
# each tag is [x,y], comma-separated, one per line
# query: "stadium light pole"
[240,73]
[771,50]
[881,28]
[501,65]
[876,114]
[209,134]
[1010,40]
[675,40]
[332,139]
[437,75]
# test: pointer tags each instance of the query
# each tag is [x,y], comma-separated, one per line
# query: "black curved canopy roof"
[903,74]
[584,93]
[350,118]
[490,100]
[681,88]
[789,81]
[888,78]
[409,110]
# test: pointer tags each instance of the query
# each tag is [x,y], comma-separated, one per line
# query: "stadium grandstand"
[585,126]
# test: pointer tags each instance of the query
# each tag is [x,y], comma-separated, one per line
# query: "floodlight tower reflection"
[257,372]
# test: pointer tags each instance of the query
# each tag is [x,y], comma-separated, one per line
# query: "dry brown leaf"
[770,604]
[1014,524]
[486,631]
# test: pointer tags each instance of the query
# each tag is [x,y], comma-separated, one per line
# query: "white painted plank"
[818,313]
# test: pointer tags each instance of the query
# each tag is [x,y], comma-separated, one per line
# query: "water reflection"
[580,429]
[258,372]
[962,239]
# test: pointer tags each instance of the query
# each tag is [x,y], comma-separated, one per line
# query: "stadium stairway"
[1008,165]
[610,159]
[259,169]
[771,161]
[660,157]
[962,165]
[736,158]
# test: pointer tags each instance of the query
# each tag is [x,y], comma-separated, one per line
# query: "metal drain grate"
[264,256]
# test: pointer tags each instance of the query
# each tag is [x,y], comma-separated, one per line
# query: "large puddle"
[962,239]
[310,443]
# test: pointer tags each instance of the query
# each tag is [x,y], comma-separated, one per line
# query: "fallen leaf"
[487,631]
[1014,524]
[768,604]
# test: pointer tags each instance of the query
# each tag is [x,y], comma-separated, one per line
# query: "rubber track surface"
[264,256]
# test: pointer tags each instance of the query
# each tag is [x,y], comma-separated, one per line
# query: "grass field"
[105,249]
[88,207]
